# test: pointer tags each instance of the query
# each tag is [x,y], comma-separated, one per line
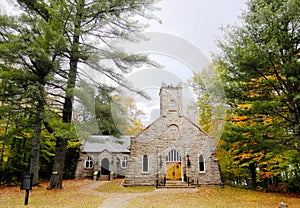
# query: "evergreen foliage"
[43,52]
[261,75]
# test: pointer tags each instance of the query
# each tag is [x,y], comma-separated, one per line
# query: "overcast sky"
[198,21]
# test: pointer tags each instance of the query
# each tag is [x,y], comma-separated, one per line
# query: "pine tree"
[265,51]
[87,26]
[261,77]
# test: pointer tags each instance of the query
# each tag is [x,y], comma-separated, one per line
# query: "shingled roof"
[99,143]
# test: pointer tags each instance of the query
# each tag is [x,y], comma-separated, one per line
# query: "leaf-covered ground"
[215,197]
[88,193]
[72,195]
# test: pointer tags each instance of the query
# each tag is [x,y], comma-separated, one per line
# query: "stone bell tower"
[171,103]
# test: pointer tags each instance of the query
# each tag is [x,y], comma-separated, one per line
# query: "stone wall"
[158,140]
[114,164]
[81,171]
[172,131]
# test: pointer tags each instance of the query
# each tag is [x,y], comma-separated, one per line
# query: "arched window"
[118,161]
[89,162]
[173,129]
[145,163]
[125,162]
[201,163]
[173,156]
[172,105]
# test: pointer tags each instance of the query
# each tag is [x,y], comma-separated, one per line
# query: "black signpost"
[26,184]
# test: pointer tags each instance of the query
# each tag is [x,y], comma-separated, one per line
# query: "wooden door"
[173,171]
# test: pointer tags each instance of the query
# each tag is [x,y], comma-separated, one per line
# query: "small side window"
[145,163]
[89,163]
[201,163]
[125,162]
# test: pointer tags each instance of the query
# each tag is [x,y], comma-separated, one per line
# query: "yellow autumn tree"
[127,116]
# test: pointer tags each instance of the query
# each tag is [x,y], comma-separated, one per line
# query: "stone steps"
[176,184]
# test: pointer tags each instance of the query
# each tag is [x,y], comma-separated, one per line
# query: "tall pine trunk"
[35,149]
[40,109]
[61,143]
[59,162]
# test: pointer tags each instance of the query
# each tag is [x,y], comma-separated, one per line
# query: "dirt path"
[115,200]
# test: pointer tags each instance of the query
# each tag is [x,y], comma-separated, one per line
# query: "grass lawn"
[87,193]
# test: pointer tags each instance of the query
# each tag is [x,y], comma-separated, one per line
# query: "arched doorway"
[173,166]
[105,166]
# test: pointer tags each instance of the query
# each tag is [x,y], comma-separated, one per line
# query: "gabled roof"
[99,143]
[165,118]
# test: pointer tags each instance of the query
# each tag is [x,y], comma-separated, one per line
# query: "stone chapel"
[172,148]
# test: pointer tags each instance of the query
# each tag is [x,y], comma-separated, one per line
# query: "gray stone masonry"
[172,131]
